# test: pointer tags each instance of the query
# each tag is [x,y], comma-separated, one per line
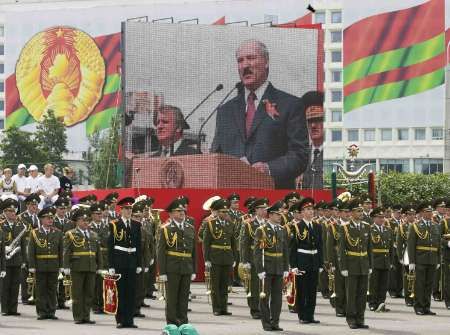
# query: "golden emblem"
[60,69]
[171,175]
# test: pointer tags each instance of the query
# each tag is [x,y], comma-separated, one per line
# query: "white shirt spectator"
[32,184]
[21,184]
[48,185]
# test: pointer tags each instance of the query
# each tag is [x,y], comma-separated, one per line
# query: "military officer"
[424,245]
[382,256]
[219,249]
[61,221]
[355,263]
[446,254]
[272,265]
[82,260]
[125,258]
[290,199]
[439,205]
[177,262]
[402,249]
[247,246]
[111,202]
[45,257]
[321,220]
[235,215]
[148,226]
[2,259]
[102,231]
[306,260]
[13,231]
[395,273]
[367,208]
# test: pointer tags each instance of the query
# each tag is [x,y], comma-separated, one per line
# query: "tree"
[18,147]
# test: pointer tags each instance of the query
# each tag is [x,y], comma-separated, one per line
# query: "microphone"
[217,89]
[239,86]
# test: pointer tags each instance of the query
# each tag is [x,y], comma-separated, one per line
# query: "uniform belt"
[46,256]
[306,251]
[179,254]
[357,254]
[273,254]
[380,251]
[84,253]
[221,247]
[129,250]
[103,249]
[426,248]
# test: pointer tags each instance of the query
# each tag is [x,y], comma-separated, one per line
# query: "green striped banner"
[100,120]
[393,59]
[19,118]
[394,90]
[112,84]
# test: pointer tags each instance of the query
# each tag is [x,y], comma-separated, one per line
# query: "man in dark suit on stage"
[170,124]
[262,125]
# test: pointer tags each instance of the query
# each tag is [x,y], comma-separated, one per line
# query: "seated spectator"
[66,180]
[7,184]
[48,187]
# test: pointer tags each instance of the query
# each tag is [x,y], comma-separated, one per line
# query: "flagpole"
[446,167]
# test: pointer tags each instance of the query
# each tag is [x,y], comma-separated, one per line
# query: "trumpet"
[67,283]
[31,284]
[161,289]
[411,280]
[331,281]
[246,277]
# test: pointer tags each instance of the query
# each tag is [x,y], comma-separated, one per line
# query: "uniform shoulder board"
[37,229]
[114,221]
[189,223]
[345,223]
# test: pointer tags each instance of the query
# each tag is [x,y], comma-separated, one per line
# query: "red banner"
[110,295]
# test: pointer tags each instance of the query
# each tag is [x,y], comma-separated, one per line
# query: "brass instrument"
[446,237]
[161,289]
[31,285]
[411,280]
[262,294]
[246,277]
[208,283]
[14,247]
[67,283]
[331,281]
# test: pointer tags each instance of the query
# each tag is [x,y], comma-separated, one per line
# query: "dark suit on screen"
[281,142]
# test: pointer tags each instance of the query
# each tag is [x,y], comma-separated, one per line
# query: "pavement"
[401,320]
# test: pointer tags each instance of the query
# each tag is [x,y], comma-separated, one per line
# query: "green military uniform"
[83,257]
[154,223]
[11,282]
[177,264]
[446,261]
[382,257]
[219,249]
[323,276]
[396,271]
[2,259]
[355,262]
[235,216]
[45,258]
[424,245]
[247,247]
[272,264]
[437,220]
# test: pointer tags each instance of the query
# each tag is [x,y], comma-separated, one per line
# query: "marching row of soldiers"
[351,253]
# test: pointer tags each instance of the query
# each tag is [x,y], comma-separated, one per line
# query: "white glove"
[23,266]
[294,270]
[412,267]
[193,276]
[61,271]
[285,274]
[370,271]
[3,274]
[208,265]
[344,273]
[247,266]
[333,269]
[146,270]
[262,275]
[320,270]
[163,278]
[448,244]
[138,270]
[32,270]
[438,266]
[112,272]
[234,264]
[67,272]
[152,261]
[401,261]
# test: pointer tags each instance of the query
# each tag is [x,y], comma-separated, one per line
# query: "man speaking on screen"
[262,125]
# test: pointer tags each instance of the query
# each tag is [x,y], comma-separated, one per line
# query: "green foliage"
[18,147]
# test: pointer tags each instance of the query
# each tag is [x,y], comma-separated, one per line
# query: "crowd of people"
[350,252]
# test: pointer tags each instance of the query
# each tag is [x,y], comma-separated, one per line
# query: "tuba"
[31,285]
[67,283]
[246,277]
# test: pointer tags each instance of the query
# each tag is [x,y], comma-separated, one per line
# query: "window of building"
[437,134]
[386,134]
[353,135]
[419,134]
[2,49]
[336,56]
[336,96]
[2,105]
[403,134]
[395,165]
[2,86]
[2,124]
[336,36]
[336,135]
[336,76]
[2,68]
[2,30]
[369,135]
[319,17]
[336,115]
[336,16]
[428,165]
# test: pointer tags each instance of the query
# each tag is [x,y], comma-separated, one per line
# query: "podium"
[197,171]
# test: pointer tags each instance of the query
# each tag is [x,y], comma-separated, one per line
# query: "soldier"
[30,219]
[148,226]
[82,260]
[247,245]
[272,265]
[355,263]
[45,257]
[338,296]
[60,220]
[439,205]
[124,258]
[382,256]
[367,208]
[146,256]
[15,249]
[446,254]
[395,273]
[235,215]
[424,244]
[102,231]
[290,199]
[177,262]
[321,208]
[111,202]
[306,260]
[402,249]
[219,246]
[2,258]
